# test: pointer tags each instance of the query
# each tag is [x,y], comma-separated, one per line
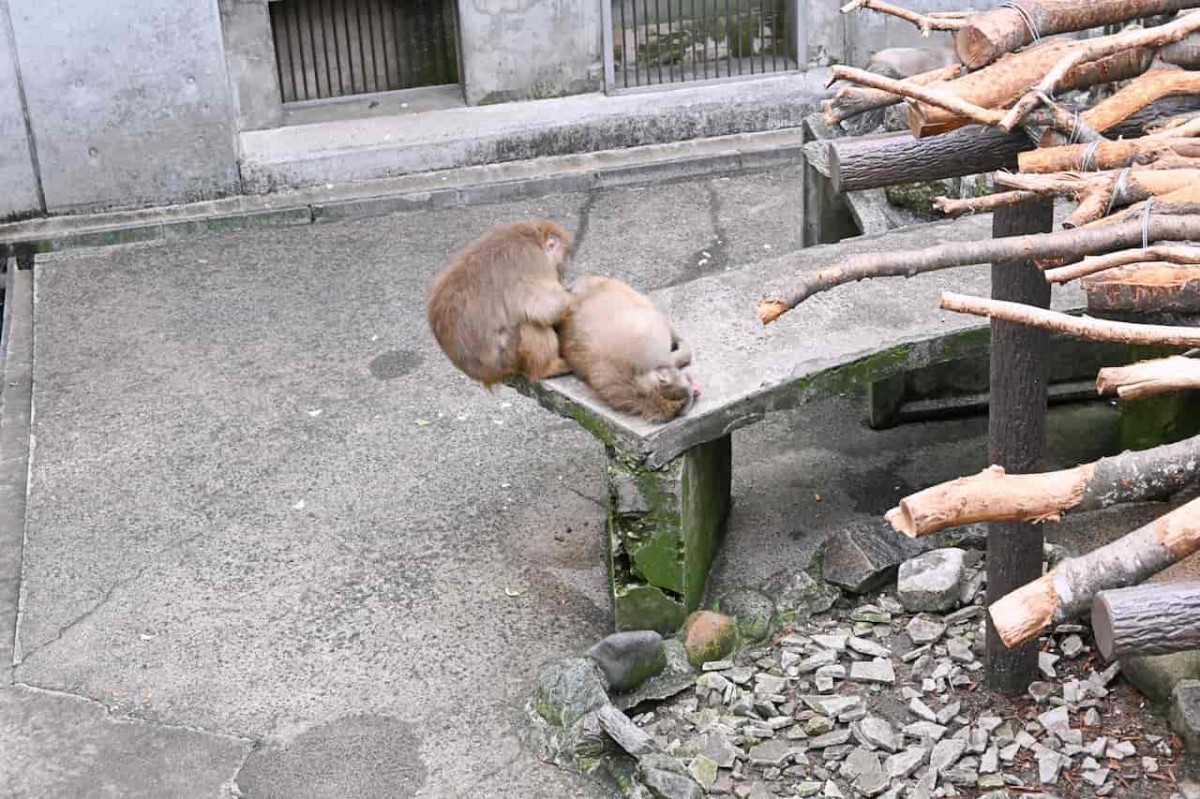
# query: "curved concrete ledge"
[851,336]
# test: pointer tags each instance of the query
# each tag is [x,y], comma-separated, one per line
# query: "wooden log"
[1153,619]
[1095,49]
[1141,93]
[1067,591]
[1152,287]
[1150,378]
[993,495]
[871,162]
[1091,266]
[924,22]
[1178,202]
[932,93]
[1019,371]
[850,101]
[954,207]
[991,34]
[1105,155]
[1083,327]
[1001,84]
[1041,246]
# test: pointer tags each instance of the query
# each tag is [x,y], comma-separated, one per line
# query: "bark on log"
[991,34]
[1083,327]
[996,496]
[871,162]
[1141,93]
[1153,287]
[1001,84]
[1175,203]
[1019,371]
[1101,263]
[1154,619]
[1068,590]
[1068,243]
[1105,155]
[1150,378]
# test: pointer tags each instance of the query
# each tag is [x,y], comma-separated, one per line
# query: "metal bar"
[750,14]
[775,40]
[345,17]
[312,48]
[637,75]
[393,9]
[762,40]
[388,83]
[658,39]
[606,41]
[728,44]
[326,24]
[279,50]
[438,22]
[737,4]
[298,57]
[624,51]
[362,55]
[670,44]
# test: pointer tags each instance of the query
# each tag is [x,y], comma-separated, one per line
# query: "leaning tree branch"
[850,101]
[1067,591]
[1150,378]
[925,22]
[926,94]
[1093,49]
[1179,127]
[953,207]
[995,496]
[907,263]
[1140,93]
[1084,327]
[1101,263]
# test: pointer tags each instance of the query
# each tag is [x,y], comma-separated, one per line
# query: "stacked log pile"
[1111,123]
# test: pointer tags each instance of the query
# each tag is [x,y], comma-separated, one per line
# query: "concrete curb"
[16,414]
[449,188]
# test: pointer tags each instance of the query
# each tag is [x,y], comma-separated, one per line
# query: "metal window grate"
[335,48]
[675,41]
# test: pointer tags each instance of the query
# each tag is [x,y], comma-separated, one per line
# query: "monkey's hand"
[547,303]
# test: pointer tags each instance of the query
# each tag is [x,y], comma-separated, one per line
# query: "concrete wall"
[129,100]
[526,49]
[852,38]
[250,51]
[18,179]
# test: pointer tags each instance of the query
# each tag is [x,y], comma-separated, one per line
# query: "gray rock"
[807,788]
[965,774]
[825,657]
[1041,691]
[914,654]
[868,648]
[857,713]
[627,659]
[870,614]
[1071,646]
[753,610]
[959,650]
[703,771]
[1096,776]
[862,557]
[947,714]
[1056,720]
[667,779]
[990,762]
[1185,713]
[924,630]
[769,684]
[922,730]
[1046,661]
[818,725]
[717,665]
[629,736]
[568,690]
[932,581]
[1050,766]
[677,676]
[860,761]
[876,732]
[1120,750]
[835,642]
[830,705]
[989,781]
[946,753]
[771,753]
[872,783]
[716,748]
[831,791]
[922,710]
[796,592]
[835,738]
[879,671]
[902,764]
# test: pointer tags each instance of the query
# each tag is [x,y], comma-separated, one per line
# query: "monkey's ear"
[553,245]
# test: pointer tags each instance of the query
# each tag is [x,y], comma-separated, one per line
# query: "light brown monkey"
[493,307]
[626,350]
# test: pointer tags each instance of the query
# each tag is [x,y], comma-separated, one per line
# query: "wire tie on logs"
[1089,157]
[1146,223]
[1027,18]
[1118,187]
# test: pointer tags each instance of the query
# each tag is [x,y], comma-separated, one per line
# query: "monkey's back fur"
[620,344]
[479,301]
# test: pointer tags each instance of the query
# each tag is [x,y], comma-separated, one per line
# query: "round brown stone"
[708,636]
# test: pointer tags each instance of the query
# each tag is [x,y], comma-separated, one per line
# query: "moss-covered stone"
[754,613]
[708,636]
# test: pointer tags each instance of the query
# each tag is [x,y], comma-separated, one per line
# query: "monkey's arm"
[547,304]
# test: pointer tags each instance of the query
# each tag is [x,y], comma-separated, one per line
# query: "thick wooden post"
[1019,374]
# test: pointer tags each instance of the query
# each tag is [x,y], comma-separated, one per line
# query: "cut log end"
[901,521]
[1022,615]
[770,310]
[1102,625]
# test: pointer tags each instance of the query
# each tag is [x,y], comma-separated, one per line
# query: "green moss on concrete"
[1158,420]
[646,607]
[706,483]
[919,197]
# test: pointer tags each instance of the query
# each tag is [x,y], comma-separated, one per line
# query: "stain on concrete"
[395,363]
[364,756]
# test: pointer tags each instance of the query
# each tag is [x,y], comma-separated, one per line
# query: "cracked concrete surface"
[266,514]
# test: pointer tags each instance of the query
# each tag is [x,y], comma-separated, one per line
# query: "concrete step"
[302,156]
[447,188]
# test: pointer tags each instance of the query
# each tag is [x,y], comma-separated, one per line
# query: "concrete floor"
[276,545]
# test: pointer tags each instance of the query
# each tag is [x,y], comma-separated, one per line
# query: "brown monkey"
[626,350]
[493,307]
